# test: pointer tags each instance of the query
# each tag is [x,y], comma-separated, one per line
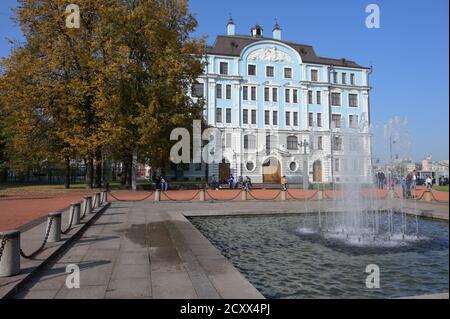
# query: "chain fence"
[2,245]
[41,248]
[180,200]
[302,198]
[131,200]
[218,199]
[272,198]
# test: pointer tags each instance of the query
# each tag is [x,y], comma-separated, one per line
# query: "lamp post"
[305,144]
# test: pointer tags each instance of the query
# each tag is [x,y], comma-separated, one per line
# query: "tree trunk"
[89,172]
[98,169]
[67,178]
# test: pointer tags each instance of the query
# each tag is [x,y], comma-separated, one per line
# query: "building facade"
[284,111]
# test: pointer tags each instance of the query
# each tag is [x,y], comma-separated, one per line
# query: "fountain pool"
[288,256]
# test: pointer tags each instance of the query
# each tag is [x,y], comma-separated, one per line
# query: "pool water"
[282,263]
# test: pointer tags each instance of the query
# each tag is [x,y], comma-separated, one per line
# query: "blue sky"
[409,53]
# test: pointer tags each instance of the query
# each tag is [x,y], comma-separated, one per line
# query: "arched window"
[292,143]
[249,142]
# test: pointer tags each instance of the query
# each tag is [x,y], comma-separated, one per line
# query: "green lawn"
[441,188]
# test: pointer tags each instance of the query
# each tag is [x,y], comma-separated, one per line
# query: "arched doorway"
[271,170]
[317,171]
[224,171]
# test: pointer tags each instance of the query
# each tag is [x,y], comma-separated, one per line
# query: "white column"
[304,109]
[211,101]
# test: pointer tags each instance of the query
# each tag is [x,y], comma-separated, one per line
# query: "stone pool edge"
[422,212]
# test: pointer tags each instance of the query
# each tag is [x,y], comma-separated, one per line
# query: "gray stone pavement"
[150,250]
[32,239]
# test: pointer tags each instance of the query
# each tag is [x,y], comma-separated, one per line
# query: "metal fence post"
[243,194]
[9,253]
[157,195]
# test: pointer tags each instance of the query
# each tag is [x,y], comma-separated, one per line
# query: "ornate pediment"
[271,54]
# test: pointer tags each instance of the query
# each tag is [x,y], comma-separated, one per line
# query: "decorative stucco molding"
[271,54]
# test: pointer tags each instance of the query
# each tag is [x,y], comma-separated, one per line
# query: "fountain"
[355,218]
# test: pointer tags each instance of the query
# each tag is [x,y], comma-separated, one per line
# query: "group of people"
[241,182]
[161,183]
[409,184]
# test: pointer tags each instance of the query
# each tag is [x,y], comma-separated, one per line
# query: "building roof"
[232,45]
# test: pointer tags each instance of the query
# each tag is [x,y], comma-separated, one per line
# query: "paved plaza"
[148,249]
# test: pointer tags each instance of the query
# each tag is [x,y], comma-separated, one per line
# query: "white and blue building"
[283,110]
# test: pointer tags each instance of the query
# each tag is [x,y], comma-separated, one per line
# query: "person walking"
[414,180]
[164,184]
[403,185]
[249,182]
[283,183]
[230,181]
[429,183]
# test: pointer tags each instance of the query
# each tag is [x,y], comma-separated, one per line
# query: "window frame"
[284,73]
[227,67]
[248,69]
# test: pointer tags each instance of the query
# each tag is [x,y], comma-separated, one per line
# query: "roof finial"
[230,19]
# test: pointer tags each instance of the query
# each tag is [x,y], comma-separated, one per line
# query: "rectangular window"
[287,73]
[245,93]
[336,120]
[269,71]
[253,93]
[337,143]
[275,117]
[344,78]
[219,115]
[319,119]
[295,96]
[335,77]
[287,95]
[336,99]
[337,167]
[295,118]
[350,121]
[274,94]
[266,94]
[251,69]
[310,97]
[352,78]
[318,97]
[253,116]
[245,116]
[228,115]
[320,142]
[228,140]
[197,90]
[288,118]
[223,68]
[228,92]
[353,100]
[218,91]
[314,75]
[310,119]
[267,117]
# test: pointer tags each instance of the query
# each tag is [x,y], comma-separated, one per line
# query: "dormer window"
[257,31]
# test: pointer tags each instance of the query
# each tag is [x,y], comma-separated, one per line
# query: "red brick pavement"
[17,210]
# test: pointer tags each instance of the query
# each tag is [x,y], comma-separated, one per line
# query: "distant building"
[283,110]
